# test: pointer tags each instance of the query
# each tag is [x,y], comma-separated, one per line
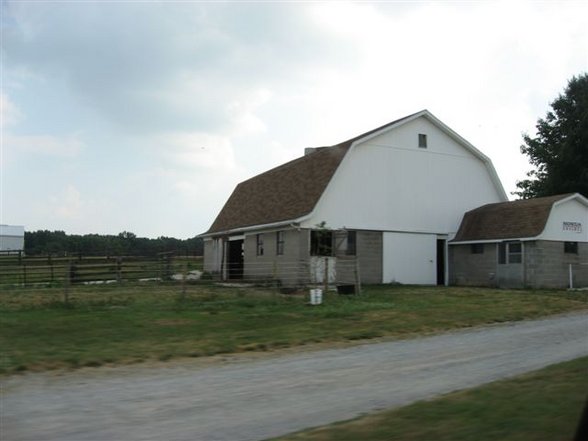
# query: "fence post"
[119,269]
[326,276]
[67,282]
[50,261]
[571,276]
[24,275]
[184,275]
[357,277]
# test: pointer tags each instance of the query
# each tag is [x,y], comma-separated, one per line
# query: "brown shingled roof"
[507,220]
[287,192]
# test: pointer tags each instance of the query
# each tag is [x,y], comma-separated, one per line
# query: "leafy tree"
[560,150]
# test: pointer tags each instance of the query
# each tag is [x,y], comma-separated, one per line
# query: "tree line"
[58,243]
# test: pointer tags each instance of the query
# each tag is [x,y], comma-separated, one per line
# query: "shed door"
[510,264]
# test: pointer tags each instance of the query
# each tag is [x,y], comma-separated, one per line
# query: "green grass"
[543,405]
[113,324]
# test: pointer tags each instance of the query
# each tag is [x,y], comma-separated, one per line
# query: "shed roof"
[287,192]
[507,220]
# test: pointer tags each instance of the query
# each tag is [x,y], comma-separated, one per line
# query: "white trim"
[288,222]
[576,196]
[513,239]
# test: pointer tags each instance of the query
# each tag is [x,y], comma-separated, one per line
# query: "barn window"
[259,247]
[351,243]
[422,140]
[477,248]
[571,247]
[280,243]
[321,243]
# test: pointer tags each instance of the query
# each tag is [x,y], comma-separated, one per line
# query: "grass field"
[132,323]
[542,406]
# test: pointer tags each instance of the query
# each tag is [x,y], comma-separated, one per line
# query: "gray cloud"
[161,66]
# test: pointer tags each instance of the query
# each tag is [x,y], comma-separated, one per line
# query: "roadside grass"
[114,324]
[542,405]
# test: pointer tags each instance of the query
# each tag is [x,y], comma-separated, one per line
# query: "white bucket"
[316,296]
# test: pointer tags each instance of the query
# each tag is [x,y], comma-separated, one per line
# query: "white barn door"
[410,258]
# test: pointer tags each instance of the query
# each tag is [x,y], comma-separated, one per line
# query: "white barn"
[390,198]
[11,239]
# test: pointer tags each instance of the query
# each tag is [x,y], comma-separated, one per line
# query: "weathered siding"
[369,254]
[288,268]
[209,263]
[469,269]
[547,265]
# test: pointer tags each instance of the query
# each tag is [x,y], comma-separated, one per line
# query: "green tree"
[559,152]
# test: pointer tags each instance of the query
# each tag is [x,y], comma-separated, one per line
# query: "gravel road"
[262,398]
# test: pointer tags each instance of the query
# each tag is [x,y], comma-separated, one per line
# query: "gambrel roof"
[291,191]
[524,218]
[286,192]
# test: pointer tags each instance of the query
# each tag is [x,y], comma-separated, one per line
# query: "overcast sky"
[143,116]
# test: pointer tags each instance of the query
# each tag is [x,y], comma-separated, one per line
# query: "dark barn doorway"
[441,261]
[235,263]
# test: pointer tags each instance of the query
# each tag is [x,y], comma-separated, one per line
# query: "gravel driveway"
[263,398]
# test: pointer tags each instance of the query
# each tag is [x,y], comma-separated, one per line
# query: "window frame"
[506,256]
[259,244]
[280,243]
[423,144]
[570,247]
[477,248]
[351,249]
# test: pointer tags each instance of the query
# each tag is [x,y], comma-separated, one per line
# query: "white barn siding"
[11,238]
[404,187]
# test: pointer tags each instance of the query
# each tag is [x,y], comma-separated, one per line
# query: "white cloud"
[67,204]
[196,151]
[9,112]
[68,146]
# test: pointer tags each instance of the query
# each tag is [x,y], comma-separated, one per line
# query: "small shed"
[532,243]
[11,239]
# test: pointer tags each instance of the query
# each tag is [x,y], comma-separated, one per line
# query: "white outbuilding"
[11,239]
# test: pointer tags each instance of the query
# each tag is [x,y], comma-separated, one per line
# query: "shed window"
[321,243]
[422,140]
[571,247]
[351,243]
[280,243]
[510,252]
[477,248]
[259,246]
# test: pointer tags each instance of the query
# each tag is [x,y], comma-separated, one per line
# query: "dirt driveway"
[256,399]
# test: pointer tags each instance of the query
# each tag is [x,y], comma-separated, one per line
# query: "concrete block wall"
[469,269]
[368,256]
[547,265]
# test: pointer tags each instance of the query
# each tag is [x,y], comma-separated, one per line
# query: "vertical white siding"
[11,238]
[410,258]
[390,184]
